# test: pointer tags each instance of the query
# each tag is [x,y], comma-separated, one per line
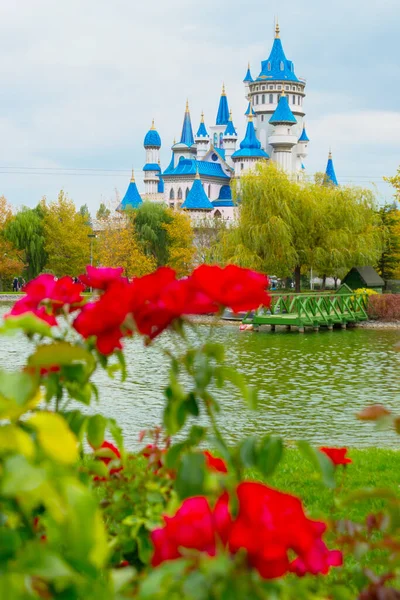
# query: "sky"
[81,80]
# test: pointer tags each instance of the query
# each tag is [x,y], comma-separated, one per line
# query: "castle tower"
[302,152]
[202,139]
[218,130]
[230,140]
[197,198]
[276,76]
[185,148]
[152,170]
[250,151]
[132,197]
[247,80]
[330,175]
[283,139]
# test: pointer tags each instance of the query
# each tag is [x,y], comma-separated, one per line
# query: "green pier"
[311,310]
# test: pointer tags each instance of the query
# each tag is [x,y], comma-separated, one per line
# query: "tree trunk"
[323,286]
[297,279]
[335,280]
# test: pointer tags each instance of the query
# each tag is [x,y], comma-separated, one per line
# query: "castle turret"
[197,198]
[250,151]
[202,139]
[247,80]
[230,140]
[330,175]
[302,152]
[152,170]
[283,139]
[186,147]
[218,130]
[132,197]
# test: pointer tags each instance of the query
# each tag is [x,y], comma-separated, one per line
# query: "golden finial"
[202,117]
[283,93]
[330,154]
[250,116]
[197,172]
[230,115]
[174,141]
[277,30]
[304,124]
[223,90]
[248,65]
[133,176]
[187,106]
[159,162]
[152,125]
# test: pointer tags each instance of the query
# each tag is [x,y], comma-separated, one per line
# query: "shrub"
[385,307]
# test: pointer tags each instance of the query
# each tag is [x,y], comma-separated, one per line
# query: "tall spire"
[230,129]
[223,109]
[202,131]
[304,136]
[330,175]
[277,67]
[152,125]
[277,29]
[248,78]
[187,132]
[133,176]
[282,113]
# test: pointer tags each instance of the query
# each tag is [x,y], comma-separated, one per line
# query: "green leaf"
[20,477]
[19,392]
[145,546]
[28,322]
[96,428]
[116,433]
[269,454]
[77,422]
[60,353]
[248,452]
[55,437]
[320,461]
[121,359]
[190,476]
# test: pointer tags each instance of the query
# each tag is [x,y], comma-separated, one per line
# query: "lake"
[310,386]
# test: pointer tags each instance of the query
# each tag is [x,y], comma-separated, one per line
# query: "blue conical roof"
[248,77]
[330,171]
[223,109]
[152,139]
[282,113]
[277,67]
[230,128]
[250,146]
[304,136]
[132,197]
[171,165]
[202,131]
[160,187]
[197,198]
[187,132]
[249,110]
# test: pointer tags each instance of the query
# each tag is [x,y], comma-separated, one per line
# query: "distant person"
[15,284]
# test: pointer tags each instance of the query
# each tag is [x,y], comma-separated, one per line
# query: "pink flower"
[100,278]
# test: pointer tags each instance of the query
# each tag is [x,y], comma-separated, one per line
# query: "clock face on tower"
[214,156]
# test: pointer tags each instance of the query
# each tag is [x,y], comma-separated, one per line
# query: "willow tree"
[11,263]
[26,232]
[287,227]
[67,241]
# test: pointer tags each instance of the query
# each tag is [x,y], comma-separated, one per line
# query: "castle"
[202,166]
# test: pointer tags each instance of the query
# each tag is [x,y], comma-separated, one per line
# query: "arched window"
[282,66]
[262,117]
[256,99]
[209,190]
[271,98]
[263,99]
[217,214]
[179,194]
[172,195]
[221,140]
[294,99]
[187,193]
[215,140]
[299,100]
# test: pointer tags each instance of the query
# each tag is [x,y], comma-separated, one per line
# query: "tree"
[11,263]
[208,238]
[103,212]
[286,227]
[84,211]
[164,235]
[181,250]
[66,237]
[395,182]
[389,261]
[26,232]
[118,247]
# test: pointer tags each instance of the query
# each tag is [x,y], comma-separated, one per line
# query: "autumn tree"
[66,237]
[26,232]
[103,212]
[117,246]
[389,260]
[208,239]
[286,227]
[180,246]
[11,263]
[395,182]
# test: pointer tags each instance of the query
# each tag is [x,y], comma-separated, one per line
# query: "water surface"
[310,386]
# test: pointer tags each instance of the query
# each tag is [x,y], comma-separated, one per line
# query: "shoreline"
[205,320]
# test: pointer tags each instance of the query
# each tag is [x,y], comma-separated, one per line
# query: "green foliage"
[389,260]
[26,232]
[103,212]
[149,222]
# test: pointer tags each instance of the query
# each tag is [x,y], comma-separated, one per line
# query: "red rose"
[214,464]
[337,455]
[104,317]
[235,287]
[194,526]
[100,278]
[107,459]
[40,288]
[65,291]
[25,305]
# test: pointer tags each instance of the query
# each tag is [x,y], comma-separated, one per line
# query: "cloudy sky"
[80,81]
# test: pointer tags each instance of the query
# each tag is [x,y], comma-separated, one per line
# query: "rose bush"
[173,520]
